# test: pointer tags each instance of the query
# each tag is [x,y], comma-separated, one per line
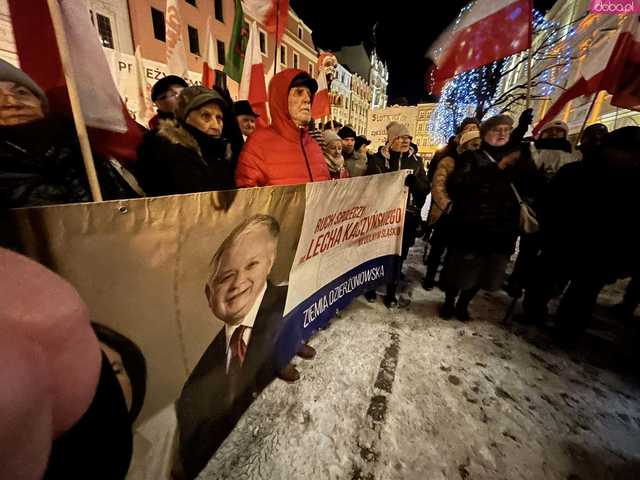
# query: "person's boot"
[462,305]
[371,296]
[390,299]
[429,281]
[289,374]
[306,351]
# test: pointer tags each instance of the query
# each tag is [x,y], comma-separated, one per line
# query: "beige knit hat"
[468,136]
[397,129]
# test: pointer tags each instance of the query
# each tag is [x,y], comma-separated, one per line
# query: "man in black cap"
[353,161]
[246,117]
[164,94]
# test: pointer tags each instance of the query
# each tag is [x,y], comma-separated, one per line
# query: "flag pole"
[74,98]
[275,56]
[586,119]
[529,55]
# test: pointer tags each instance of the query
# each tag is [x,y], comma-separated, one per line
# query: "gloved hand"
[526,118]
[411,180]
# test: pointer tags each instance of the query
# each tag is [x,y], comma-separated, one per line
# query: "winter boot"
[447,310]
[289,374]
[371,296]
[306,351]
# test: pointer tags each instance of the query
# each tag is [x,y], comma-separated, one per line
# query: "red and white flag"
[321,106]
[252,84]
[210,59]
[486,31]
[613,64]
[111,129]
[176,53]
[273,14]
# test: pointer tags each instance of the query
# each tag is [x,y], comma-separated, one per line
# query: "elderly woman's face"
[335,148]
[498,135]
[18,105]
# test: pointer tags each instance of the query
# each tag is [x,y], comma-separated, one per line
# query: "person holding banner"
[41,162]
[243,358]
[398,155]
[188,154]
[284,153]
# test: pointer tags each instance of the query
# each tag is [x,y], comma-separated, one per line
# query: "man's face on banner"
[242,274]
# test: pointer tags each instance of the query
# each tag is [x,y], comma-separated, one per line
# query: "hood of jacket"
[279,104]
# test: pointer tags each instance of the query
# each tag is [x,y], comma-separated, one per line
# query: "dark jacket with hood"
[390,161]
[485,213]
[282,154]
[41,164]
[179,158]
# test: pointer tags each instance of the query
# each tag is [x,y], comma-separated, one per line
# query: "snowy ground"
[406,395]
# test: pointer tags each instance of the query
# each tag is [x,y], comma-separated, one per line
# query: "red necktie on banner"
[237,345]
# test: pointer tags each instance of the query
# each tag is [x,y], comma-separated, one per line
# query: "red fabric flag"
[487,31]
[273,14]
[210,59]
[612,65]
[252,84]
[321,106]
[111,129]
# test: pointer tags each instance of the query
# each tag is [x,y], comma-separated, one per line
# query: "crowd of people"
[488,177]
[583,201]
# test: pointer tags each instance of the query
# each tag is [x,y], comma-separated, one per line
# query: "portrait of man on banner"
[242,358]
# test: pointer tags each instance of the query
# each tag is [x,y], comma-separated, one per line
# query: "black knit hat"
[626,139]
[467,121]
[304,80]
[360,141]
[163,85]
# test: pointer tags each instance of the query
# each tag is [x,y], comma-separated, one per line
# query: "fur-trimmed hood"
[173,131]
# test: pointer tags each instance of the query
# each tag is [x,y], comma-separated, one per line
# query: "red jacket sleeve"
[248,172]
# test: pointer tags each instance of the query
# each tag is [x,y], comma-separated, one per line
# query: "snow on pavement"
[406,395]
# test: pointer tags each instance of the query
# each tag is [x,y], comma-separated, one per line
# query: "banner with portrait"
[217,290]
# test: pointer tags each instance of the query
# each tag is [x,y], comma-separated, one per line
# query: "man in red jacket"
[284,153]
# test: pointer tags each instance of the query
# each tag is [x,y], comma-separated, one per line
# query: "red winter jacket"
[281,154]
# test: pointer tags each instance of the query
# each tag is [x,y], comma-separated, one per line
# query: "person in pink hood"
[284,153]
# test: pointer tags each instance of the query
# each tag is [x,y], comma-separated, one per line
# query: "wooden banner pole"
[74,98]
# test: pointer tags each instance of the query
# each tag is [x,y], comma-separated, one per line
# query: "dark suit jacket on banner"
[212,402]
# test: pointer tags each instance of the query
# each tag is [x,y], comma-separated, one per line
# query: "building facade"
[359,105]
[123,25]
[340,95]
[423,139]
[379,81]
[589,30]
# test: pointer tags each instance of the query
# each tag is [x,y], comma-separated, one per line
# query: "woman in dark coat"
[484,216]
[188,154]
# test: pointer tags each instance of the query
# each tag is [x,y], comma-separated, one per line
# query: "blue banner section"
[316,311]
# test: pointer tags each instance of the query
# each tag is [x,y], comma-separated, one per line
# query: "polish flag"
[252,85]
[321,106]
[486,31]
[273,14]
[210,59]
[112,131]
[176,53]
[612,64]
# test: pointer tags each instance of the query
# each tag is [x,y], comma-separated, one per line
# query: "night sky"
[401,31]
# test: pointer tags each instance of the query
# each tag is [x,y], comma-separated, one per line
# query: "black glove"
[526,117]
[411,180]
